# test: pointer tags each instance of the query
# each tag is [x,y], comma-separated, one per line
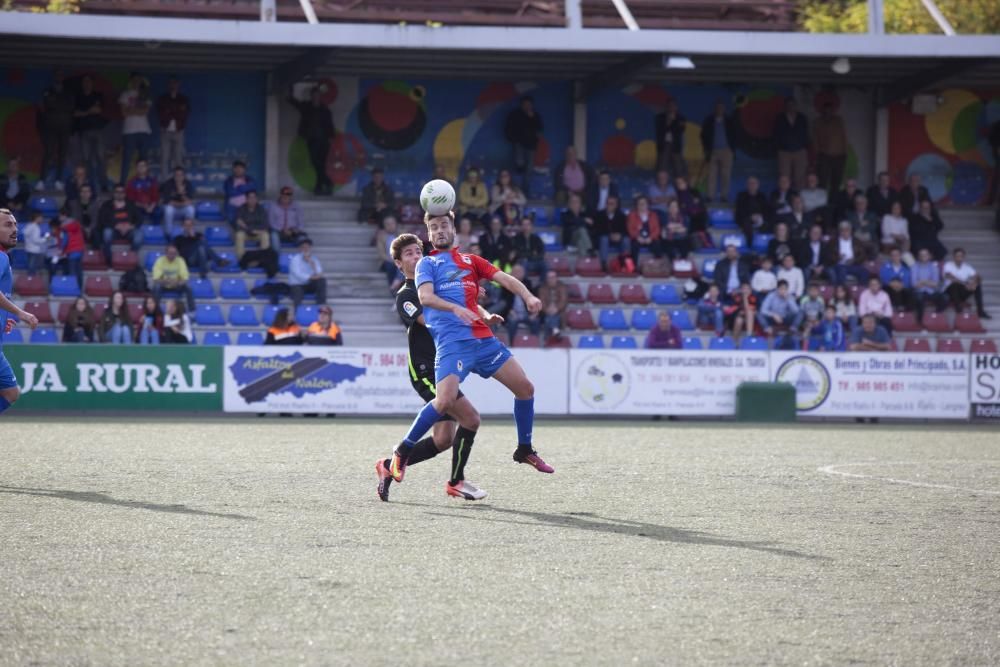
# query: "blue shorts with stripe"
[482,356]
[7,379]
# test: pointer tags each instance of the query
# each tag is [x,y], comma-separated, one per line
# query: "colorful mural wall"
[226,123]
[950,147]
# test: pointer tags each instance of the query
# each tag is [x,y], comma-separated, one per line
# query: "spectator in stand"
[896,276]
[752,210]
[896,231]
[170,274]
[70,243]
[285,219]
[865,226]
[317,131]
[576,226]
[875,301]
[605,188]
[925,227]
[173,109]
[661,192]
[828,334]
[814,198]
[555,299]
[665,335]
[792,275]
[926,275]
[283,329]
[497,247]
[324,331]
[14,187]
[881,195]
[251,222]
[962,281]
[780,309]
[847,310]
[791,135]
[116,322]
[55,125]
[517,313]
[718,133]
[473,196]
[305,275]
[710,311]
[812,305]
[383,244]
[643,225]
[670,128]
[504,196]
[764,280]
[781,244]
[529,249]
[177,195]
[850,256]
[674,233]
[377,199]
[80,325]
[151,326]
[523,129]
[76,182]
[611,230]
[136,131]
[843,202]
[914,193]
[572,176]
[35,243]
[235,190]
[86,211]
[143,191]
[731,271]
[780,202]
[830,141]
[693,206]
[813,255]
[88,111]
[742,314]
[796,218]
[464,238]
[870,337]
[176,324]
[194,251]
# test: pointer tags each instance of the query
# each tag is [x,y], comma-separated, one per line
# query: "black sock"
[460,453]
[423,450]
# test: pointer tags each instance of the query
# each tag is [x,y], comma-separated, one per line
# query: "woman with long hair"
[151,325]
[80,322]
[116,323]
[176,324]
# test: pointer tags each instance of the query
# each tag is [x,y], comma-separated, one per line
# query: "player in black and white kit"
[406,251]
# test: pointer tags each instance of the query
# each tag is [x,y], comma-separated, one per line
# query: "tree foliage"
[901,16]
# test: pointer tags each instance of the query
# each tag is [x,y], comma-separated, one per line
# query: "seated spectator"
[926,276]
[517,311]
[913,194]
[77,181]
[664,335]
[814,198]
[377,199]
[710,311]
[847,310]
[611,230]
[793,276]
[643,226]
[176,324]
[195,252]
[731,271]
[875,301]
[235,189]
[962,281]
[85,209]
[605,188]
[843,202]
[779,309]
[796,218]
[116,322]
[925,228]
[881,195]
[674,233]
[812,305]
[324,331]
[780,201]
[661,192]
[741,315]
[143,191]
[576,226]
[828,334]
[151,326]
[305,275]
[865,226]
[497,248]
[572,176]
[383,244]
[896,230]
[764,280]
[896,276]
[473,196]
[693,206]
[504,195]
[850,256]
[780,245]
[81,326]
[285,219]
[752,210]
[555,299]
[870,337]
[813,254]
[36,243]
[464,238]
[70,245]
[251,222]
[14,187]
[170,274]
[119,220]
[529,249]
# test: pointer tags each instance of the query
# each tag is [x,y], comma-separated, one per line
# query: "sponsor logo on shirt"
[409,308]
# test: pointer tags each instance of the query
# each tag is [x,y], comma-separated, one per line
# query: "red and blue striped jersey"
[455,276]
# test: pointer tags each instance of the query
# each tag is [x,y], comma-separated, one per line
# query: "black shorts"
[424,386]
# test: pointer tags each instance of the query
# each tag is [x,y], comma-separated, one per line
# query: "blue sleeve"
[4,263]
[885,274]
[424,272]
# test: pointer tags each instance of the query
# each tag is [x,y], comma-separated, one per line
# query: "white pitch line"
[832,470]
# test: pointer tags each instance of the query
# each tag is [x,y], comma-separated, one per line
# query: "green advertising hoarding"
[117,377]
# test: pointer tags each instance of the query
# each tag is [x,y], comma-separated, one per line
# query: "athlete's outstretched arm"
[24,316]
[512,284]
[428,299]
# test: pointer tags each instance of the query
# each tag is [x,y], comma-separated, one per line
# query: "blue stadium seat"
[552,240]
[623,343]
[44,336]
[47,206]
[233,288]
[264,297]
[250,338]
[216,236]
[709,249]
[681,319]
[267,316]
[216,338]
[760,242]
[738,240]
[306,315]
[540,215]
[708,268]
[643,319]
[753,343]
[723,343]
[665,295]
[18,259]
[591,342]
[64,286]
[612,319]
[153,235]
[284,260]
[209,211]
[151,258]
[721,218]
[232,267]
[201,289]
[14,336]
[209,314]
[243,316]
[691,343]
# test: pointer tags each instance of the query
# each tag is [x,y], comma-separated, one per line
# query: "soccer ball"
[437,197]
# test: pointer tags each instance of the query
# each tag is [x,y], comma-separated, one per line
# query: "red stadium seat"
[573,293]
[916,345]
[904,322]
[589,267]
[99,309]
[561,265]
[580,318]
[684,268]
[556,342]
[953,345]
[601,293]
[969,323]
[983,346]
[41,310]
[98,286]
[826,292]
[656,268]
[502,336]
[633,294]
[937,323]
[31,286]
[93,260]
[855,292]
[526,340]
[135,310]
[123,260]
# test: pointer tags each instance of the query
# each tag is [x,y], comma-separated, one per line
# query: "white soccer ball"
[437,197]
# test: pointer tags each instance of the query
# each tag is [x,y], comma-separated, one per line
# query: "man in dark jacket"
[119,220]
[753,213]
[496,246]
[55,125]
[731,271]
[377,199]
[529,249]
[173,110]
[14,187]
[791,136]
[718,132]
[882,195]
[523,128]
[914,193]
[85,209]
[670,126]
[316,129]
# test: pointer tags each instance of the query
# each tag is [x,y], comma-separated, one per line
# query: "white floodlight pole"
[876,17]
[574,15]
[626,14]
[938,17]
[268,11]
[307,9]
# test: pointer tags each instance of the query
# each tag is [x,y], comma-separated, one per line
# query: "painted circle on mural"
[969,183]
[935,173]
[328,91]
[347,155]
[299,166]
[617,151]
[542,152]
[19,135]
[494,94]
[989,115]
[693,150]
[393,115]
[654,97]
[943,126]
[756,112]
[645,155]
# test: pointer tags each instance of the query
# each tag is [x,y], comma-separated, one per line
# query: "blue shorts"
[482,356]
[7,379]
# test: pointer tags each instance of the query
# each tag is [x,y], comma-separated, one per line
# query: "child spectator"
[897,277]
[555,299]
[576,226]
[170,273]
[235,189]
[847,310]
[643,226]
[792,275]
[377,199]
[870,337]
[611,230]
[70,244]
[151,326]
[875,301]
[305,275]
[324,331]
[176,324]
[251,221]
[143,191]
[473,196]
[178,200]
[779,309]
[828,334]
[764,281]
[116,323]
[80,326]
[710,311]
[35,243]
[812,304]
[504,196]
[664,335]
[674,233]
[742,313]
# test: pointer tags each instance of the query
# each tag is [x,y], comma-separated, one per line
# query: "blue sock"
[524,418]
[4,404]
[426,418]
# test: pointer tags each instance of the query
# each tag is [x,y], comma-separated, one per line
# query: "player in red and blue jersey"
[9,391]
[448,284]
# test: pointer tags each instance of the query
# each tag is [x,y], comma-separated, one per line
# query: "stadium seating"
[242,316]
[135,310]
[558,342]
[634,294]
[216,236]
[684,268]
[153,235]
[35,285]
[47,206]
[216,338]
[753,343]
[63,311]
[93,260]
[538,214]
[209,211]
[123,260]
[952,345]
[15,336]
[968,323]
[826,292]
[936,322]
[722,218]
[983,346]
[526,340]
[209,314]
[612,319]
[560,265]
[306,314]
[201,288]
[18,259]
[250,338]
[151,257]
[690,343]
[233,289]
[623,343]
[44,336]
[591,342]
[65,286]
[708,249]
[231,266]
[681,320]
[737,240]
[761,241]
[643,319]
[916,345]
[589,267]
[579,318]
[656,268]
[708,268]
[39,309]
[665,295]
[601,293]
[98,286]
[573,293]
[267,315]
[904,322]
[722,343]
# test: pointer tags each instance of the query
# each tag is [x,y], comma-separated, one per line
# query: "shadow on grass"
[105,499]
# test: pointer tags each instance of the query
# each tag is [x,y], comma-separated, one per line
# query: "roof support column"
[881,139]
[272,149]
[268,11]
[574,15]
[579,124]
[876,17]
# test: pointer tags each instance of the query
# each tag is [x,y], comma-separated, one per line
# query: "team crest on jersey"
[460,364]
[409,308]
[467,259]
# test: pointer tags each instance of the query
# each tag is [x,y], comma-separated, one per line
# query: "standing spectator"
[504,195]
[283,329]
[865,226]
[119,220]
[791,135]
[377,199]
[717,134]
[86,211]
[665,335]
[781,199]
[693,207]
[143,191]
[383,245]
[324,331]
[731,271]
[611,230]
[35,243]
[555,299]
[285,220]
[81,325]
[305,275]
[875,301]
[523,129]
[926,275]
[76,181]
[235,190]
[792,275]
[925,228]
[170,274]
[576,226]
[741,315]
[752,210]
[849,254]
[473,196]
[914,193]
[814,198]
[881,195]
[670,127]
[529,249]
[90,120]
[896,230]
[116,323]
[828,335]
[780,309]
[830,140]
[251,222]
[55,124]
[572,176]
[176,324]
[843,201]
[896,276]
[962,281]
[517,312]
[871,337]
[151,326]
[812,305]
[14,187]
[710,311]
[317,131]
[674,233]
[813,255]
[497,248]
[178,200]
[194,251]
[661,192]
[605,188]
[173,109]
[136,131]
[643,225]
[764,280]
[847,310]
[70,244]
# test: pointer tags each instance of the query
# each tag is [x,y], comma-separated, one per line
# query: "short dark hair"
[782,283]
[239,163]
[401,242]
[958,249]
